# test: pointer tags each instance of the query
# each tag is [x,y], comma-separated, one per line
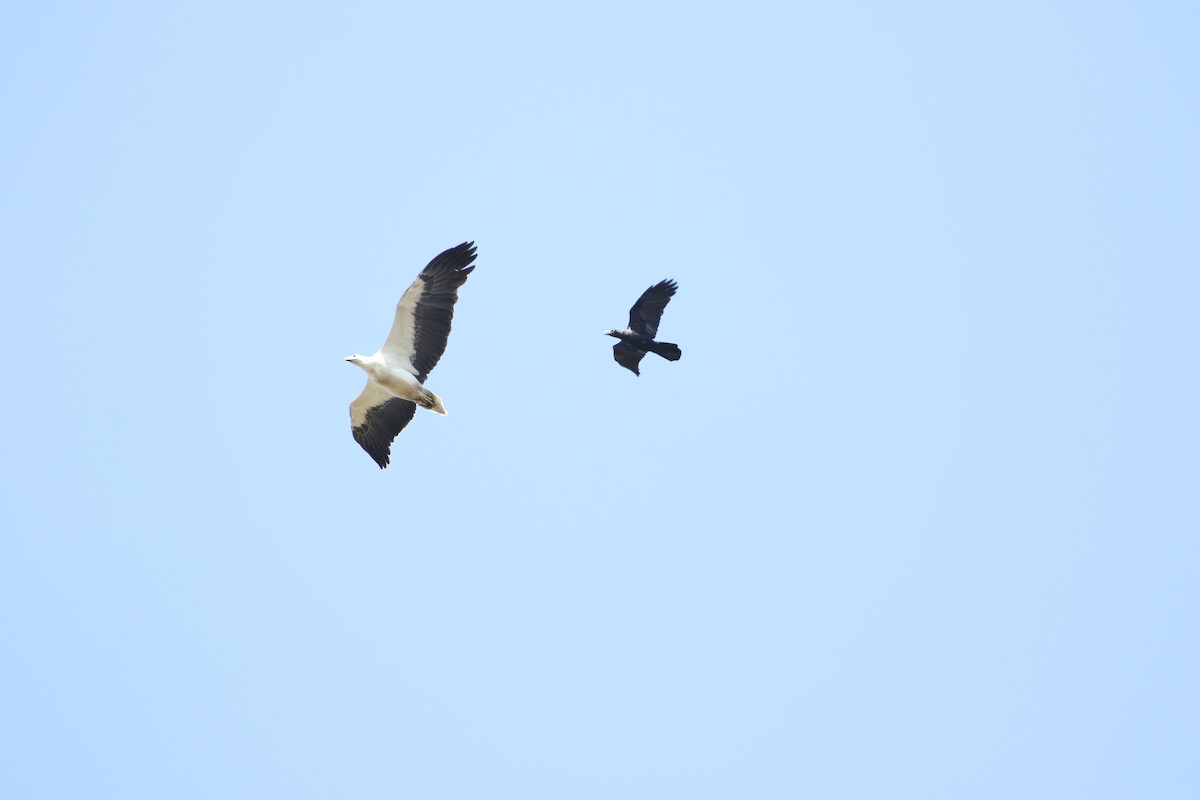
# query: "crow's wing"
[628,356]
[647,311]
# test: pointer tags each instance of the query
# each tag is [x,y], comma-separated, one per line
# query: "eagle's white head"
[368,364]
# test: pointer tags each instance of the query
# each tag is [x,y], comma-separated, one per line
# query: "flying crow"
[396,373]
[638,338]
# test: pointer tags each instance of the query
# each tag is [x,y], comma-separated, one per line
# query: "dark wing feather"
[628,356]
[375,421]
[423,315]
[647,311]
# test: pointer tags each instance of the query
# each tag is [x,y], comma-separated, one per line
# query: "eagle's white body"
[390,374]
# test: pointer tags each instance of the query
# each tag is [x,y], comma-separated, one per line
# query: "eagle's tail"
[670,352]
[431,401]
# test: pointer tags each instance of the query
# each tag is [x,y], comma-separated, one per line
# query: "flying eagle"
[418,338]
[638,338]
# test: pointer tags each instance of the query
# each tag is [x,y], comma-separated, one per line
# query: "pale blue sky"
[915,516]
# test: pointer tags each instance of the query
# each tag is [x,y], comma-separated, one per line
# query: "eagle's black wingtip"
[456,259]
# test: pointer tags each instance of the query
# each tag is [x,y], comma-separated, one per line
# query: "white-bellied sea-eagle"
[396,374]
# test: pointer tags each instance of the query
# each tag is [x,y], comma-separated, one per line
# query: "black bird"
[638,338]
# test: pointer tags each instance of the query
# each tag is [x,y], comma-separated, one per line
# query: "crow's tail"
[670,352]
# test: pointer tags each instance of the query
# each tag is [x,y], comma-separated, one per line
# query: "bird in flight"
[638,338]
[396,374]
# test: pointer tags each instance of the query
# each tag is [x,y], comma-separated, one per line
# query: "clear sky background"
[915,516]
